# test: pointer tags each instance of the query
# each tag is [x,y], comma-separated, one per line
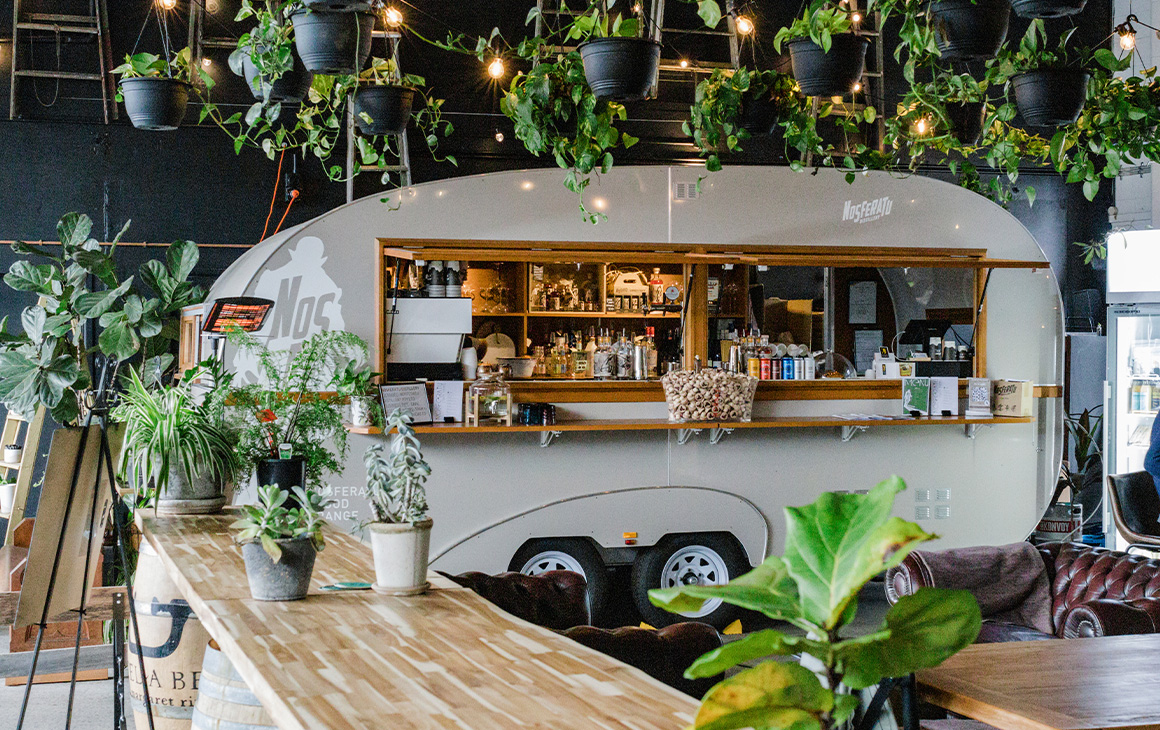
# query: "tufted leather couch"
[558,600]
[1094,592]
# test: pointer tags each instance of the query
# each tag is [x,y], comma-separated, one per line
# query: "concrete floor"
[93,703]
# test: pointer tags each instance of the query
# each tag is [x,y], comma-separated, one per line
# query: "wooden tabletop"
[1061,684]
[446,659]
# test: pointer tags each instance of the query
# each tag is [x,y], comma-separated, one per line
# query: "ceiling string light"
[496,68]
[167,4]
[393,16]
[744,25]
[1127,31]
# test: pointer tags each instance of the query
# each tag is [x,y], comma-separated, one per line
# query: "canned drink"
[799,368]
[766,368]
[787,368]
[753,367]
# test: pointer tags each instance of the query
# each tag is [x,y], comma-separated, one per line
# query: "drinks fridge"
[1132,389]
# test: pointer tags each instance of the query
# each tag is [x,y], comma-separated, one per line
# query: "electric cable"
[277,183]
[293,196]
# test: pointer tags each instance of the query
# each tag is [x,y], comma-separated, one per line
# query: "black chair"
[1136,508]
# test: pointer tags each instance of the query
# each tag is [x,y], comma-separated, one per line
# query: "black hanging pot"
[1047,8]
[828,74]
[338,4]
[154,103]
[620,69]
[966,120]
[290,88]
[966,29]
[759,113]
[383,109]
[333,42]
[1050,97]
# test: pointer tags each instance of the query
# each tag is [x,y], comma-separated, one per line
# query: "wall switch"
[943,495]
[942,512]
[922,513]
[922,495]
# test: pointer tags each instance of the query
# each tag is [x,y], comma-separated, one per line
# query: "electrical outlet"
[922,513]
[861,491]
[922,495]
[942,512]
[943,495]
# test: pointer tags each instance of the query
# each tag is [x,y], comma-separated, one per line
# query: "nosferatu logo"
[867,210]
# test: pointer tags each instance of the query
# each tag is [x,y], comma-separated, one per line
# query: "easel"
[99,410]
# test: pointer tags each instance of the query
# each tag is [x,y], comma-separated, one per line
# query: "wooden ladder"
[19,431]
[96,25]
[403,168]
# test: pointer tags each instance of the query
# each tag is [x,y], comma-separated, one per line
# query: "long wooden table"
[1063,684]
[446,659]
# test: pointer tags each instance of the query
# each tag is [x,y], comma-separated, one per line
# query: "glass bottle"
[624,357]
[490,392]
[656,289]
[541,368]
[752,357]
[650,344]
[765,356]
[602,359]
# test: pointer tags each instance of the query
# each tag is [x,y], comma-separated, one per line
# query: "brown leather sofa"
[558,600]
[1094,592]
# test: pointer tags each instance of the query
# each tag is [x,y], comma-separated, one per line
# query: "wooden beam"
[100,606]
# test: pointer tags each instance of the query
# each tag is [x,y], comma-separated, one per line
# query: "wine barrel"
[174,643]
[224,701]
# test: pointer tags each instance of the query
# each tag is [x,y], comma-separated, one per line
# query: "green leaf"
[710,12]
[1031,195]
[773,695]
[96,303]
[119,341]
[767,589]
[1107,59]
[181,257]
[73,229]
[841,541]
[99,264]
[25,276]
[1090,188]
[758,645]
[33,321]
[922,631]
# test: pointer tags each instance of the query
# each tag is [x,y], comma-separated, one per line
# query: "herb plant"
[833,547]
[49,363]
[270,521]
[290,404]
[396,481]
[166,431]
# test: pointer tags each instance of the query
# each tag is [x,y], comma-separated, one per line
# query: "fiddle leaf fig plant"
[833,548]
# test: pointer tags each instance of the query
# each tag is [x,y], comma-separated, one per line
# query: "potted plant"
[1050,85]
[86,311]
[356,383]
[401,531]
[7,498]
[619,63]
[383,99]
[265,55]
[279,543]
[155,89]
[969,29]
[731,106]
[332,41]
[833,548]
[286,421]
[1047,8]
[828,56]
[172,450]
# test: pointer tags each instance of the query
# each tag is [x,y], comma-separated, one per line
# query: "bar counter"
[358,659]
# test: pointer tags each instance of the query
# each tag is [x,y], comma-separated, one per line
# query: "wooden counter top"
[663,424]
[360,660]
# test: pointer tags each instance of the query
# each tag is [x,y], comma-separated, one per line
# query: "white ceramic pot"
[7,497]
[469,361]
[401,552]
[12,454]
[360,410]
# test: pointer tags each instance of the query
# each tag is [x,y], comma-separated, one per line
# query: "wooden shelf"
[662,424]
[9,467]
[498,314]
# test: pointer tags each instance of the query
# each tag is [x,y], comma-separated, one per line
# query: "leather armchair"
[1094,592]
[558,600]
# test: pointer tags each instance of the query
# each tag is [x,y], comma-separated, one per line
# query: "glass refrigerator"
[1132,389]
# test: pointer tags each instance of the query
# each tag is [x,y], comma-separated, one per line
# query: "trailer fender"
[637,517]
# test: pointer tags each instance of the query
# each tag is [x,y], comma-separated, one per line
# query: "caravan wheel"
[566,553]
[696,559]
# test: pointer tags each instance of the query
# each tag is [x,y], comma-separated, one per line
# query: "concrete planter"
[286,580]
[203,495]
[361,410]
[400,553]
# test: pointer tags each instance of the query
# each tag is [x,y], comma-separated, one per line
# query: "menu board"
[407,397]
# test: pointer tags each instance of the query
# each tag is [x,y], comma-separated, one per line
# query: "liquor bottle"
[651,350]
[603,359]
[579,362]
[752,357]
[1135,399]
[765,357]
[590,349]
[623,357]
[541,368]
[656,289]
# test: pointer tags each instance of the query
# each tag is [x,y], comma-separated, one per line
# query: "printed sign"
[867,211]
[409,398]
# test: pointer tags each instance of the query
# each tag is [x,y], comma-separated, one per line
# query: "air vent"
[684,191]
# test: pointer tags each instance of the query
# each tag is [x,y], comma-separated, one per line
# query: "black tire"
[647,573]
[581,552]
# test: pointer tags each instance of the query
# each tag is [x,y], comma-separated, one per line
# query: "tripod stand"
[99,408]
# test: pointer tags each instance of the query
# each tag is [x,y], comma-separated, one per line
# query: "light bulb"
[920,126]
[498,136]
[744,25]
[206,62]
[684,63]
[167,4]
[856,17]
[1128,40]
[637,9]
[496,69]
[394,17]
[857,86]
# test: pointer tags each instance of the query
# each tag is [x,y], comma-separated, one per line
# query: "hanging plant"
[1050,85]
[155,89]
[619,63]
[731,106]
[828,56]
[265,55]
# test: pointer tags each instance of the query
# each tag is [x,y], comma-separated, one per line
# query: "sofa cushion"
[1083,574]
